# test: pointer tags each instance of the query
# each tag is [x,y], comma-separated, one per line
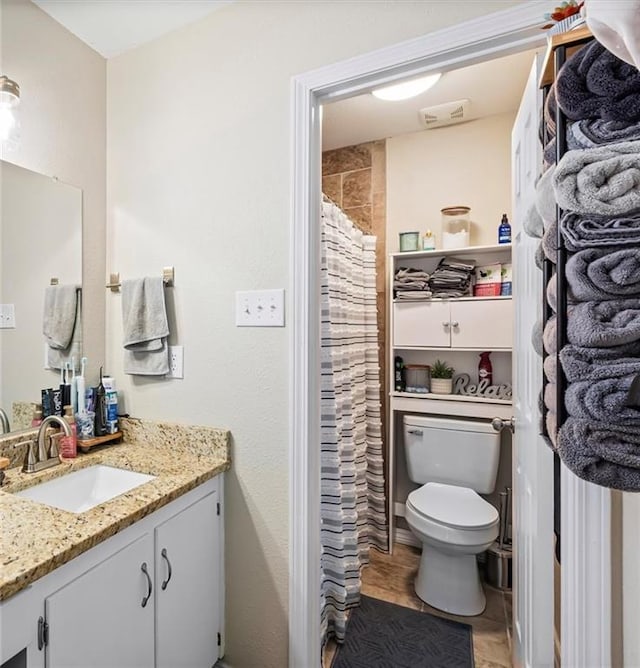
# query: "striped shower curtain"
[352,470]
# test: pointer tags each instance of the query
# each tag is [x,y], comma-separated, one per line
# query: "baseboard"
[405,537]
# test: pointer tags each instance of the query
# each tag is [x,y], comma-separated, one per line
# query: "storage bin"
[409,241]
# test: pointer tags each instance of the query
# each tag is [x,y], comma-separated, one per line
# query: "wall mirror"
[40,239]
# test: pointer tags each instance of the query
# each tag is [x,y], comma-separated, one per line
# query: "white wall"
[63,133]
[467,164]
[631,578]
[199,178]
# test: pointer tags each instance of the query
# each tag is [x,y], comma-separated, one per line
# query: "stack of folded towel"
[597,186]
[410,284]
[452,278]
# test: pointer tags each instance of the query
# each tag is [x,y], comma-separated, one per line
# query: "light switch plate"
[260,308]
[7,316]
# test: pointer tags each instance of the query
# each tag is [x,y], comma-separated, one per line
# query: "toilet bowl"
[454,524]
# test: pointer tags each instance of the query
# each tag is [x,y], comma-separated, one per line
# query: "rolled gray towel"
[593,132]
[550,241]
[552,296]
[602,454]
[538,257]
[546,198]
[586,231]
[604,400]
[550,366]
[550,397]
[552,429]
[532,223]
[602,274]
[582,363]
[598,325]
[536,337]
[603,181]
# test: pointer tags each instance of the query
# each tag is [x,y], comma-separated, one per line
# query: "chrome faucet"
[4,422]
[47,454]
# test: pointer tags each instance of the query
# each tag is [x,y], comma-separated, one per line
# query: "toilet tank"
[451,451]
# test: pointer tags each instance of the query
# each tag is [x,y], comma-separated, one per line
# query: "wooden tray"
[89,443]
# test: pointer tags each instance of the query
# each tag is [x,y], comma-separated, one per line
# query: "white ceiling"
[113,26]
[494,87]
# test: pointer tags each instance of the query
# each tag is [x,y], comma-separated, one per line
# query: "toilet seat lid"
[459,507]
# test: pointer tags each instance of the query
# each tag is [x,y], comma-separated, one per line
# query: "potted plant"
[441,378]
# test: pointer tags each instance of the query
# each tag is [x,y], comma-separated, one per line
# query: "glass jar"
[418,378]
[409,241]
[456,223]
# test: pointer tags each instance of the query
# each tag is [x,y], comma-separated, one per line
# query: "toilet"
[455,461]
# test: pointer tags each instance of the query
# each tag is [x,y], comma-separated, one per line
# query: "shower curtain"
[352,470]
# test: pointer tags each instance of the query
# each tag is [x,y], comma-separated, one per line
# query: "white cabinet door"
[486,324]
[420,324]
[188,587]
[99,619]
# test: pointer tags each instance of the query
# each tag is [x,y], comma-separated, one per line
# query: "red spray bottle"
[485,371]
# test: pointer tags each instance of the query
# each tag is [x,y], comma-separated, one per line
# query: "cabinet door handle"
[446,325]
[145,599]
[455,323]
[166,558]
[416,432]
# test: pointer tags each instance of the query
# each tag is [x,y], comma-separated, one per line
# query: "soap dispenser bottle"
[504,231]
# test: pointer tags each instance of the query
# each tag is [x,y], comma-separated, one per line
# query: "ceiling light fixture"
[407,89]
[9,100]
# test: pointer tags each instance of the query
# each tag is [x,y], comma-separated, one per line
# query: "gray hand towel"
[602,454]
[586,231]
[603,400]
[552,296]
[603,181]
[146,328]
[597,273]
[58,357]
[538,258]
[550,241]
[582,363]
[58,322]
[598,325]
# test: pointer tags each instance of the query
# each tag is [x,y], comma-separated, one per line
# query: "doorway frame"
[586,508]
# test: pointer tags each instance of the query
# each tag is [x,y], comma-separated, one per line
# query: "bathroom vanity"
[136,581]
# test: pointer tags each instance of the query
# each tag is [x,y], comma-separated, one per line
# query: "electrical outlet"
[7,316]
[260,308]
[176,362]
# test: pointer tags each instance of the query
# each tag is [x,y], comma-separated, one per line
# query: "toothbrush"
[81,388]
[66,387]
[74,387]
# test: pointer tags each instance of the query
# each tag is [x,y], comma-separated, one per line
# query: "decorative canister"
[409,241]
[456,223]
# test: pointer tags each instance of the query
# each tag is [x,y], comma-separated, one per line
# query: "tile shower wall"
[354,177]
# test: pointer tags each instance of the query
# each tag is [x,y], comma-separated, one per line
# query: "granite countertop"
[35,539]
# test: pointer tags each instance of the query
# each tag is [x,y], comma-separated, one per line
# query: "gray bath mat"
[384,635]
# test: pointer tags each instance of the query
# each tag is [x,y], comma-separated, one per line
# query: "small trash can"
[499,565]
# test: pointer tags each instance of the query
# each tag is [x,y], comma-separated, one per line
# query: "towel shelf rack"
[168,277]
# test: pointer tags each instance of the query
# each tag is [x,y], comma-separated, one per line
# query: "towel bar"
[168,277]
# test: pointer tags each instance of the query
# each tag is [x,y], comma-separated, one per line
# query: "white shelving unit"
[456,329]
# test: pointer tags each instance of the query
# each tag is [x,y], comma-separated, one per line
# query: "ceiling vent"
[445,114]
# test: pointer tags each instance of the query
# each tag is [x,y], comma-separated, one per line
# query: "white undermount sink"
[84,489]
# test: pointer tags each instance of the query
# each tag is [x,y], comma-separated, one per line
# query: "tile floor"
[391,579]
